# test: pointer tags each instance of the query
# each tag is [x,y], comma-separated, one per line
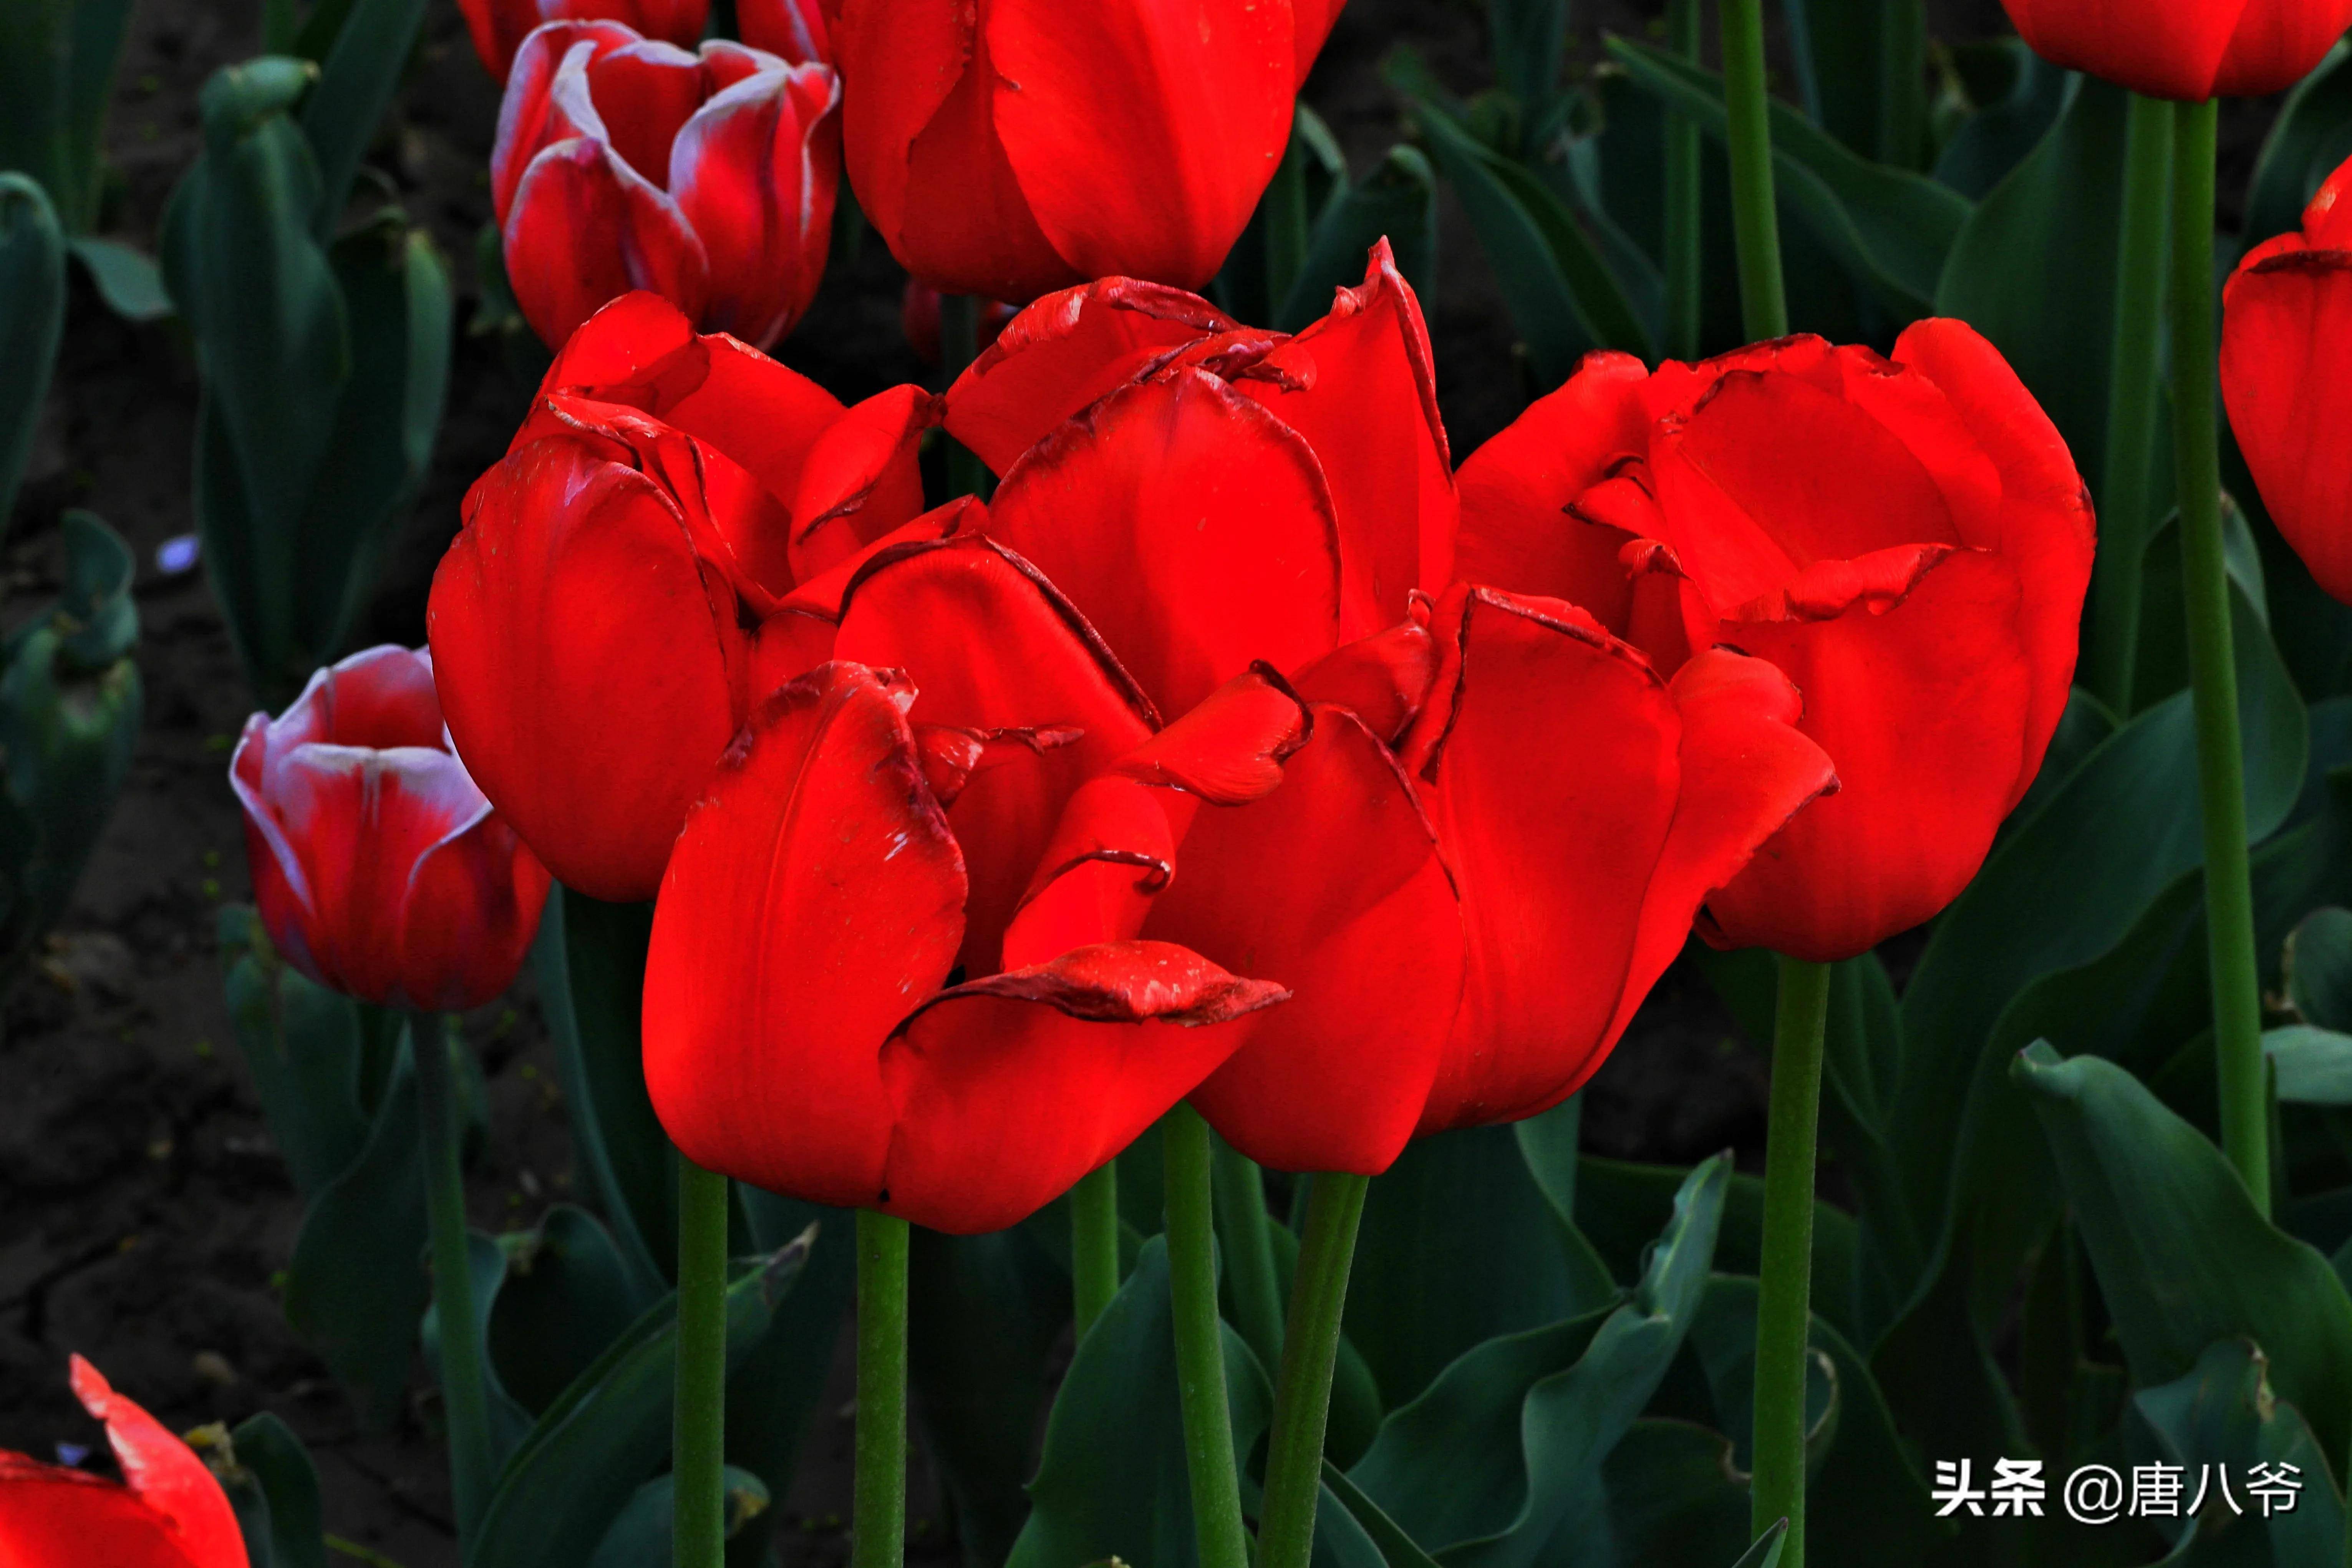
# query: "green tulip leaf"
[57,60]
[356,1286]
[302,1045]
[1396,1548]
[565,1295]
[1891,229]
[126,278]
[642,1537]
[272,1467]
[771,1393]
[2163,660]
[608,1432]
[1834,45]
[1396,202]
[2311,136]
[1113,1481]
[2222,1412]
[1999,136]
[2183,1258]
[32,321]
[355,86]
[2315,968]
[1766,1553]
[2314,1067]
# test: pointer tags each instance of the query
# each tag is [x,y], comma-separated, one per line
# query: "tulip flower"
[1909,540]
[623,163]
[792,31]
[499,27]
[167,1512]
[1010,147]
[380,869]
[2186,49]
[2286,339]
[666,491]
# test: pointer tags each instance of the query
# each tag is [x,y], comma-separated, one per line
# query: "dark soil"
[143,1211]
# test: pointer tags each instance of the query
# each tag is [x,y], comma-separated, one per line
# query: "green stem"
[1785,1288]
[959,346]
[1199,1344]
[1302,1394]
[1248,1249]
[464,1390]
[1683,218]
[1902,83]
[2212,670]
[1755,220]
[1285,224]
[699,1414]
[1094,1245]
[878,1537]
[2133,371]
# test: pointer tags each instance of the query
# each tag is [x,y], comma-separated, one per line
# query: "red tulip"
[666,491]
[2286,342]
[1909,540]
[1006,147]
[168,1512]
[793,30]
[2186,49]
[499,27]
[627,164]
[380,869]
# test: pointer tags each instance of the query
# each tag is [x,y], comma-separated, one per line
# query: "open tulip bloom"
[624,162]
[167,1512]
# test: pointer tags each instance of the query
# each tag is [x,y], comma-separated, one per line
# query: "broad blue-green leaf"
[32,321]
[1890,229]
[1466,1248]
[2163,658]
[1487,1465]
[126,277]
[1397,1549]
[1112,1482]
[58,59]
[643,1536]
[302,1045]
[1396,202]
[770,1395]
[2314,1067]
[2183,1257]
[2222,1412]
[1833,45]
[1999,136]
[355,87]
[2315,968]
[590,959]
[509,1423]
[606,1435]
[565,1296]
[2311,136]
[274,1489]
[356,1286]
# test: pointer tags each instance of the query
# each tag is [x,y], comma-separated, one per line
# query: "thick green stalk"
[1302,1394]
[1248,1246]
[1755,220]
[1286,222]
[1903,83]
[1199,1344]
[1683,218]
[465,1391]
[959,346]
[2212,670]
[1094,1245]
[1785,1288]
[877,1536]
[2133,371]
[698,1413]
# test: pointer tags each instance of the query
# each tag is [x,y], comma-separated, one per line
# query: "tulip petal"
[569,577]
[1919,709]
[1383,679]
[2283,348]
[792,31]
[586,228]
[861,479]
[2165,52]
[2046,530]
[1191,528]
[2327,221]
[1087,97]
[906,57]
[1333,886]
[472,907]
[529,118]
[2277,44]
[1112,852]
[753,174]
[1516,489]
[643,94]
[1038,668]
[1359,387]
[815,898]
[1229,751]
[1065,353]
[1010,1088]
[164,1471]
[52,1516]
[1314,22]
[1549,758]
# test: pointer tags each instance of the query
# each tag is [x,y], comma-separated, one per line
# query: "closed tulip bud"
[589,624]
[2286,344]
[623,163]
[1907,539]
[167,1512]
[380,869]
[1004,148]
[499,27]
[2186,49]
